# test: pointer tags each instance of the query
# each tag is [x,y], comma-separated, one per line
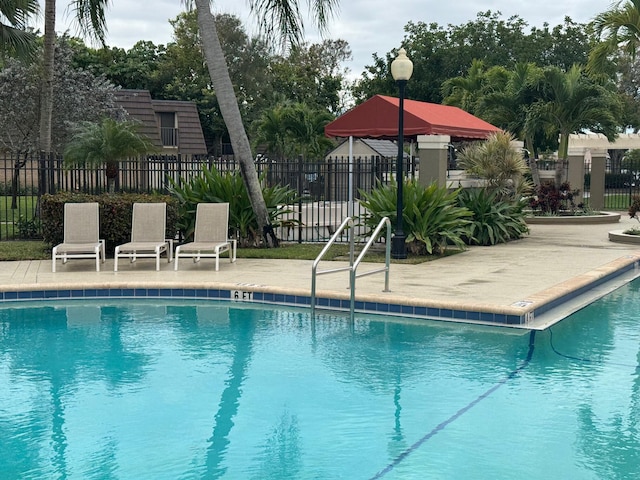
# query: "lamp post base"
[398,246]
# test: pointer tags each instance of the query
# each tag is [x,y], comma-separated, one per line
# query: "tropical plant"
[432,219]
[106,144]
[464,92]
[506,103]
[634,208]
[294,129]
[15,39]
[499,163]
[550,200]
[275,16]
[619,29]
[495,219]
[213,186]
[570,102]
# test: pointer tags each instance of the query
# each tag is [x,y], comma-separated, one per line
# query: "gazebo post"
[433,151]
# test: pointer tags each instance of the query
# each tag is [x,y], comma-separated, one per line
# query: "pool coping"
[536,312]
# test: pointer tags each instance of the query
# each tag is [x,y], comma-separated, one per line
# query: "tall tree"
[91,23]
[463,92]
[292,129]
[15,39]
[570,103]
[449,52]
[619,30]
[283,17]
[78,96]
[616,54]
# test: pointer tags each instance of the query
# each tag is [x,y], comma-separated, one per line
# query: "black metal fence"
[620,185]
[324,188]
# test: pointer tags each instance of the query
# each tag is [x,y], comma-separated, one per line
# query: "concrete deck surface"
[552,259]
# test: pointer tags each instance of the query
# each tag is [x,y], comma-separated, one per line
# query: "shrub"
[432,220]
[494,220]
[499,163]
[634,210]
[211,186]
[552,201]
[115,215]
[28,228]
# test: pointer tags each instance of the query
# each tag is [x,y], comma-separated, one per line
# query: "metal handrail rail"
[353,265]
[347,222]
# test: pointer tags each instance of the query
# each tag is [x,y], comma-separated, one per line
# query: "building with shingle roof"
[172,125]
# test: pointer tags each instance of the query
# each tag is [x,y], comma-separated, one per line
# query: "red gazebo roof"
[378,118]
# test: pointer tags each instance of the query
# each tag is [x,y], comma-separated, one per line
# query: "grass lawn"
[24,250]
[36,250]
[25,207]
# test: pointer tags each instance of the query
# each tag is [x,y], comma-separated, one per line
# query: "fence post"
[300,177]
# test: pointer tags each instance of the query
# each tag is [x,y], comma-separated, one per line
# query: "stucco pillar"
[598,170]
[575,172]
[433,151]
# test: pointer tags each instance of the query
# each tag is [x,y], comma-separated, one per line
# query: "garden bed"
[619,236]
[597,218]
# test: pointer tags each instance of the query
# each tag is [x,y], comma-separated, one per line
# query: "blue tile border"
[420,312]
[396,309]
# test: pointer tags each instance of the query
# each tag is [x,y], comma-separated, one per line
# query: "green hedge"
[115,215]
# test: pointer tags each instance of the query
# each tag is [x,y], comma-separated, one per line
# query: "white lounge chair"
[211,235]
[81,235]
[148,225]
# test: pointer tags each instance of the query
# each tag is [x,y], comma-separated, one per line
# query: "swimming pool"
[200,389]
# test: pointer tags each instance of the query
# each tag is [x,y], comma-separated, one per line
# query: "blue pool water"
[138,390]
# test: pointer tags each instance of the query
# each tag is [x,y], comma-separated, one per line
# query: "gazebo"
[378,118]
[434,127]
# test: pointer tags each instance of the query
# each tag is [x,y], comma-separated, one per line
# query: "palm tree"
[106,143]
[510,95]
[570,103]
[14,38]
[463,92]
[620,28]
[305,130]
[92,23]
[279,16]
[270,132]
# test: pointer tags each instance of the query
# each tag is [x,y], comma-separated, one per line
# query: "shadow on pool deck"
[551,265]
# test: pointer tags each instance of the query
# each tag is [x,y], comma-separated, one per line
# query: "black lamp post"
[401,70]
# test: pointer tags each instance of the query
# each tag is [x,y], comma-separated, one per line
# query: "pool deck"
[541,278]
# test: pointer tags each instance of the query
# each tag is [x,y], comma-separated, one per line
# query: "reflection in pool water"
[135,389]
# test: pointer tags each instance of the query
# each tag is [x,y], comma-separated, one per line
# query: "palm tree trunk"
[219,73]
[533,162]
[561,164]
[46,92]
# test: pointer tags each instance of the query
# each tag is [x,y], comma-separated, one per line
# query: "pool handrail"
[353,264]
[383,222]
[347,222]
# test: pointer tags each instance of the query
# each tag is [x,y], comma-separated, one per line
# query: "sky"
[369,26]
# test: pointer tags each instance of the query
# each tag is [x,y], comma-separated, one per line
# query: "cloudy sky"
[370,26]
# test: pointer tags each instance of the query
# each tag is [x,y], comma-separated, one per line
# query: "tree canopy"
[79,96]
